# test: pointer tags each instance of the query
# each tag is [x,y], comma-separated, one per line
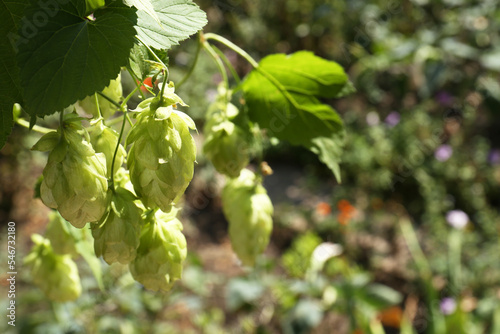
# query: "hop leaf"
[161,159]
[113,91]
[249,211]
[117,239]
[161,252]
[56,275]
[74,179]
[104,140]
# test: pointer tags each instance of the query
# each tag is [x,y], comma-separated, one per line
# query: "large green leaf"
[11,12]
[70,57]
[282,97]
[179,20]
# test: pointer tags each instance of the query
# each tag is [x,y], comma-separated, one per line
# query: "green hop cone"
[161,159]
[249,211]
[56,275]
[226,147]
[117,238]
[104,140]
[161,252]
[59,234]
[74,179]
[113,91]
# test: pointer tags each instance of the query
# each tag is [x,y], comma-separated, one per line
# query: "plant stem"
[155,56]
[163,89]
[218,61]
[39,129]
[129,96]
[110,100]
[97,105]
[193,65]
[437,324]
[454,259]
[232,46]
[112,184]
[228,64]
[136,81]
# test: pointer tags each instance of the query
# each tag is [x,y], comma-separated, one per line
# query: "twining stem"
[39,129]
[218,61]
[193,65]
[110,100]
[228,64]
[120,135]
[129,96]
[111,183]
[232,46]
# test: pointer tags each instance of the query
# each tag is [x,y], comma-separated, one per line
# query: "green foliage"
[296,260]
[177,21]
[283,94]
[55,74]
[10,85]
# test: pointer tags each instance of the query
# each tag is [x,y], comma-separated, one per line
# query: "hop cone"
[104,140]
[227,148]
[249,210]
[114,91]
[59,234]
[161,252]
[74,179]
[161,159]
[117,239]
[56,275]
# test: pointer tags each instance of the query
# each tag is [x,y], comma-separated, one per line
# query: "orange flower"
[147,82]
[323,209]
[391,317]
[347,211]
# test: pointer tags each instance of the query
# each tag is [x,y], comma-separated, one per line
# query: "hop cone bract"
[161,252]
[161,159]
[117,238]
[226,147]
[56,275]
[74,179]
[249,210]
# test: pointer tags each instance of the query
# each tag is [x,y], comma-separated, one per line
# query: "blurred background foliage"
[423,144]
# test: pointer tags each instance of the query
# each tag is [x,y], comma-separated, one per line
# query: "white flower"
[457,219]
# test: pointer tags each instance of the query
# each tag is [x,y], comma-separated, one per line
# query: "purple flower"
[393,119]
[457,218]
[494,157]
[443,152]
[444,98]
[448,305]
